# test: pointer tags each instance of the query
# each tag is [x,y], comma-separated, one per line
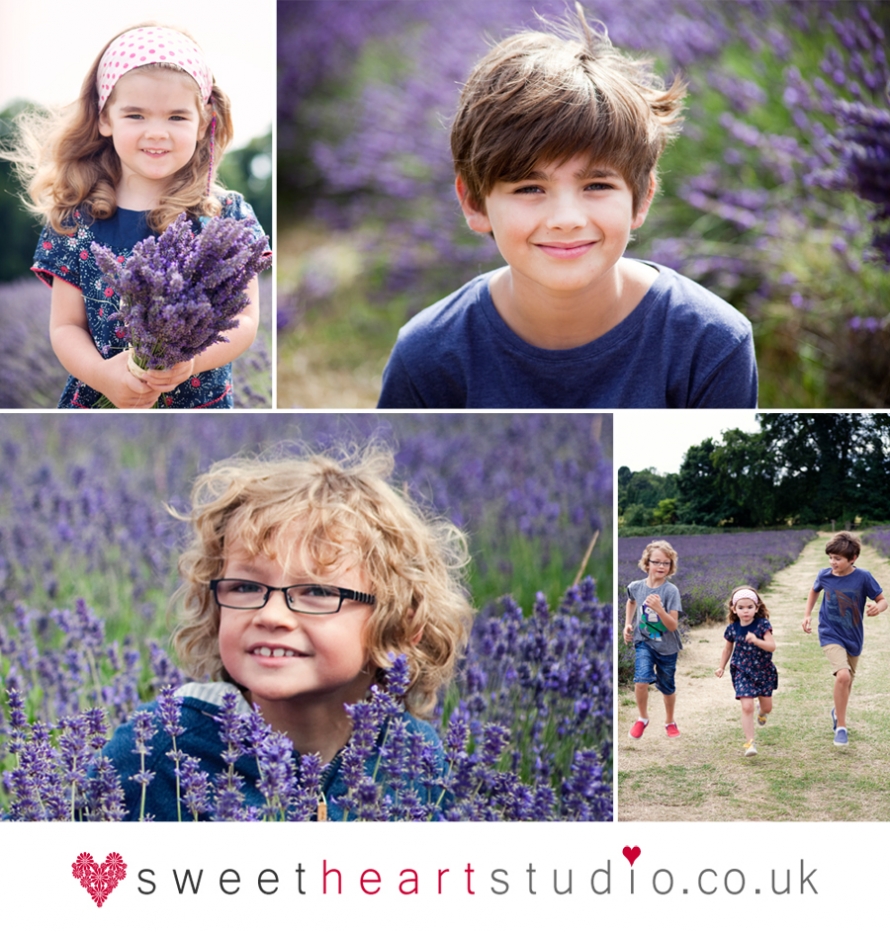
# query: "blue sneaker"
[833,720]
[840,737]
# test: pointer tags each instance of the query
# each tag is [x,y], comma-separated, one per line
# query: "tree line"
[798,469]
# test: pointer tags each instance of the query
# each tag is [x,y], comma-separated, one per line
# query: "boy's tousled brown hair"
[346,512]
[845,545]
[66,165]
[541,97]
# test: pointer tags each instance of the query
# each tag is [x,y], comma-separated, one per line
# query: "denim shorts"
[652,667]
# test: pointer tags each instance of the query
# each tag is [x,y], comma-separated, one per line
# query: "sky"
[659,439]
[46,49]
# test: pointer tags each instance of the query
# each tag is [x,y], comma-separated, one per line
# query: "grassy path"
[798,775]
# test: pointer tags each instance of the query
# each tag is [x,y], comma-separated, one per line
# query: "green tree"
[665,512]
[20,229]
[745,479]
[701,501]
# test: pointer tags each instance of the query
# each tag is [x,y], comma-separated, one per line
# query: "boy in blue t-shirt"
[555,146]
[846,589]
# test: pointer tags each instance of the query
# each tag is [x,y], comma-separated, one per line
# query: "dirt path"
[798,774]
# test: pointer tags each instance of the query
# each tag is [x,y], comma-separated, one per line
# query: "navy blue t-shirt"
[681,347]
[843,606]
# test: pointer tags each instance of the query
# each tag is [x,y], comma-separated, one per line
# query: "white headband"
[146,46]
[745,594]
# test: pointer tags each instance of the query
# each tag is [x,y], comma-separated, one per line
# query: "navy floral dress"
[752,668]
[68,256]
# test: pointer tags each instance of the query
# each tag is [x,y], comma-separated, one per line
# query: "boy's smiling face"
[325,658]
[563,229]
[840,565]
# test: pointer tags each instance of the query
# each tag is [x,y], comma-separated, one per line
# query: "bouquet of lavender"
[180,291]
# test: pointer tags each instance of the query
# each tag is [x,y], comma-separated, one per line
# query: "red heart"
[631,853]
[99,879]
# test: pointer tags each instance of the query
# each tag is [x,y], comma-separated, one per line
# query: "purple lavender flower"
[181,291]
[194,786]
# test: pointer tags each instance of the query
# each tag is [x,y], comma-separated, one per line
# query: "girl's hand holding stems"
[73,344]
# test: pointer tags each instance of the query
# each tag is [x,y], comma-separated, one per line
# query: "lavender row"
[711,565]
[77,505]
[879,538]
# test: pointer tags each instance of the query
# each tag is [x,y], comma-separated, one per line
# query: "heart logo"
[99,879]
[631,853]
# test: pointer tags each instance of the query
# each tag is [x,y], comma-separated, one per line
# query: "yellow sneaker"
[750,750]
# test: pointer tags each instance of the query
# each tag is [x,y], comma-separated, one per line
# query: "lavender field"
[774,197]
[87,563]
[711,565]
[879,538]
[32,377]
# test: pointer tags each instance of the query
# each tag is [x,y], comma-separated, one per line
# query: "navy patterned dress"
[752,668]
[68,257]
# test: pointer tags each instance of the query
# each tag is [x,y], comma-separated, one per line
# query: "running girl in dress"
[750,644]
[140,146]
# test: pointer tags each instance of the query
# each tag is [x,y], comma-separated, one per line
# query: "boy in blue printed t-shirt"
[555,145]
[846,589]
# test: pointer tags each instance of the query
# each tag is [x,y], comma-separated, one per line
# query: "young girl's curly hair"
[762,611]
[337,508]
[65,164]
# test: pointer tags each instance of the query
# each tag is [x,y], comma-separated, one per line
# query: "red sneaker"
[639,727]
[672,730]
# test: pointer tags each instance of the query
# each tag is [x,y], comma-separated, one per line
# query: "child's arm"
[811,601]
[239,340]
[69,334]
[767,642]
[671,619]
[879,605]
[629,612]
[724,657]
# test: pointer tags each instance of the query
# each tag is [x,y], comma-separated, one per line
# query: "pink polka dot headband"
[146,46]
[745,594]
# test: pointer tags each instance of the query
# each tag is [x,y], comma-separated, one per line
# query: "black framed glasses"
[305,598]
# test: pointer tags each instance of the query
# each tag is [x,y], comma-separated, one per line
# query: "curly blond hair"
[658,545]
[66,165]
[344,508]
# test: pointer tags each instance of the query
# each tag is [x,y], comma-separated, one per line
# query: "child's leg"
[641,694]
[665,683]
[747,717]
[644,675]
[766,706]
[844,668]
[669,703]
[843,683]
